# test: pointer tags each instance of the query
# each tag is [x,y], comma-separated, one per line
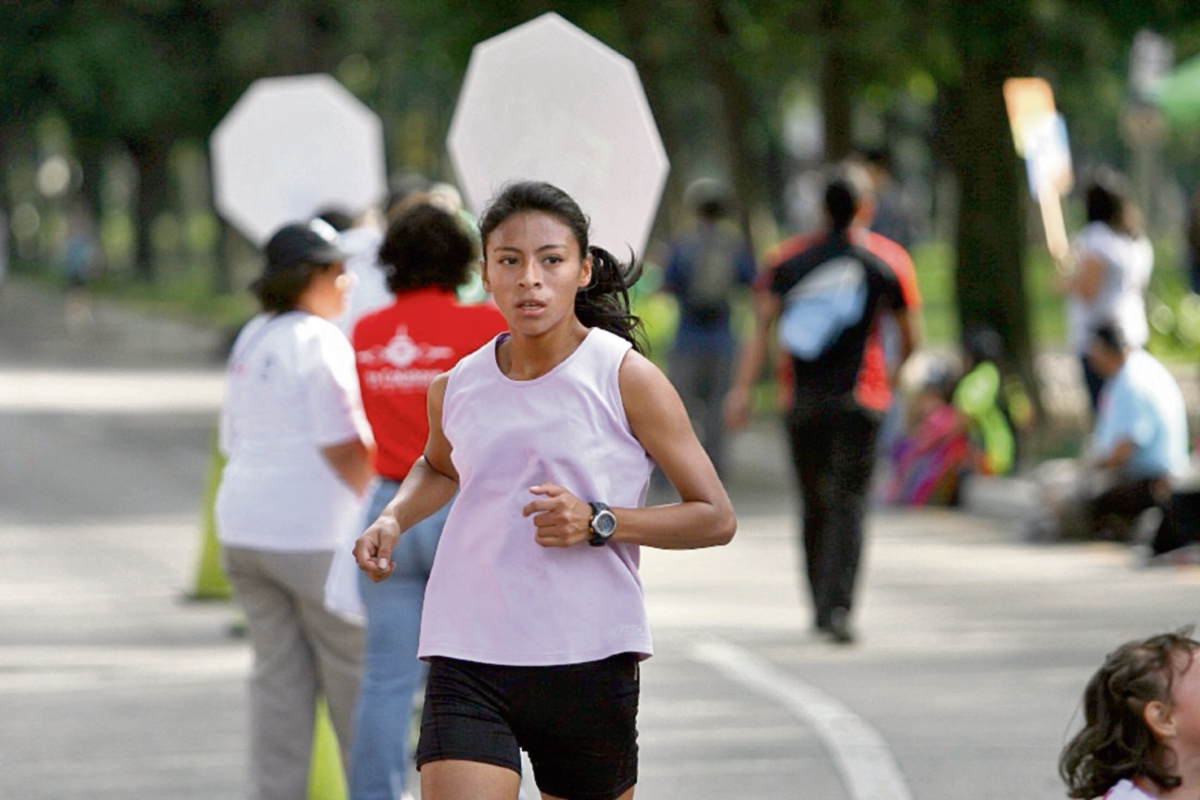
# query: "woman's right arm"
[429,485]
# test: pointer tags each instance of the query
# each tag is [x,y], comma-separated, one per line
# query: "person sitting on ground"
[929,460]
[1138,447]
[1140,712]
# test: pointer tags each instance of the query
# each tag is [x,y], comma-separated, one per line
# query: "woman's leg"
[283,686]
[626,795]
[336,643]
[455,780]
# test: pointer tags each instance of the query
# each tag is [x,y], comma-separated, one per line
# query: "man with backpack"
[825,302]
[703,268]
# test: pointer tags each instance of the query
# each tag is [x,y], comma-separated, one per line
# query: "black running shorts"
[577,722]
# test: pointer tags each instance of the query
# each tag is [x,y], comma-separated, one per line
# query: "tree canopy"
[754,91]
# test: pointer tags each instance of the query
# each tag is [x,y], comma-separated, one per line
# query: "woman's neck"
[525,358]
[1189,789]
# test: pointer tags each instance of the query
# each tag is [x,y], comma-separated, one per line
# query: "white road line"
[110,391]
[860,753]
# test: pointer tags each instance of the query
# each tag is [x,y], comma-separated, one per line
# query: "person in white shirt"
[1112,260]
[298,444]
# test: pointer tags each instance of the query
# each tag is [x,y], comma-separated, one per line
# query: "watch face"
[604,523]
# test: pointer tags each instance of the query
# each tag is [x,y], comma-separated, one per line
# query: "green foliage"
[186,296]
[721,76]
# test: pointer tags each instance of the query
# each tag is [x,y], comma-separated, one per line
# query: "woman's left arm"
[704,516]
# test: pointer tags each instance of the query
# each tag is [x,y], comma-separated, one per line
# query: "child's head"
[1138,700]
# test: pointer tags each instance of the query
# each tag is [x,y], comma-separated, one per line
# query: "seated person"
[958,428]
[928,461]
[1138,446]
[994,406]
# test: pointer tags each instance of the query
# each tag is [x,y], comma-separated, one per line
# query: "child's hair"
[603,303]
[426,247]
[1116,743]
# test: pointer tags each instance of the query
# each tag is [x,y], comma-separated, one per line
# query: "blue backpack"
[823,305]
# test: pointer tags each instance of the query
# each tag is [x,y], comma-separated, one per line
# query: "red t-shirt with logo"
[400,349]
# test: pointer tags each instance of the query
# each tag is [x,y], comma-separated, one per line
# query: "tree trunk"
[636,24]
[989,275]
[150,156]
[836,95]
[741,126]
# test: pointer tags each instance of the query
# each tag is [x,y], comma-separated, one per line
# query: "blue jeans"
[391,672]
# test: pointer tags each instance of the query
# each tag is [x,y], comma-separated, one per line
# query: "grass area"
[189,296]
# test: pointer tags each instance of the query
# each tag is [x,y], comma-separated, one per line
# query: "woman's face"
[533,268]
[326,293]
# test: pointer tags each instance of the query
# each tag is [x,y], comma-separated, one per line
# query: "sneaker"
[839,626]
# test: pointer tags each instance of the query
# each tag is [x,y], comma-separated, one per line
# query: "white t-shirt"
[1125,790]
[291,389]
[1127,264]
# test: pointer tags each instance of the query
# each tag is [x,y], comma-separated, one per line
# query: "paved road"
[975,646]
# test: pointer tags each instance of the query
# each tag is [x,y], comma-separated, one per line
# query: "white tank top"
[496,596]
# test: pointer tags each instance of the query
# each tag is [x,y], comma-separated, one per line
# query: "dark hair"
[1107,198]
[1116,743]
[280,291]
[845,191]
[1111,337]
[709,198]
[603,303]
[426,247]
[877,157]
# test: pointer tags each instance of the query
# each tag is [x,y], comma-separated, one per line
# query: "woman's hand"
[560,518]
[373,550]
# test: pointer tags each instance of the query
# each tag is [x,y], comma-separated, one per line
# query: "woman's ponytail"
[604,302]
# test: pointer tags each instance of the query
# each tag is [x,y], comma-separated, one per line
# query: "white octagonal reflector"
[291,147]
[546,101]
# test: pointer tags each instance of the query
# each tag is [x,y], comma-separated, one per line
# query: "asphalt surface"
[974,644]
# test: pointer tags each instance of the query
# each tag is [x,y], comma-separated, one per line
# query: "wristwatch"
[602,525]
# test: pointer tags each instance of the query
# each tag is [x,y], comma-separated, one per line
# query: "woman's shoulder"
[607,341]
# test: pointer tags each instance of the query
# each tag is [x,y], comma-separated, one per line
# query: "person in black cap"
[299,448]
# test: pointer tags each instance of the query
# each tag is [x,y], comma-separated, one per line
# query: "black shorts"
[577,722]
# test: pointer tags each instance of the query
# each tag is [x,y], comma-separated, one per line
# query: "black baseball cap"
[302,243]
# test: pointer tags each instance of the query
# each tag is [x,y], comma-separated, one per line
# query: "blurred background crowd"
[105,164]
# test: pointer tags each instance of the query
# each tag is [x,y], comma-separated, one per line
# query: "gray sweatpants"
[301,651]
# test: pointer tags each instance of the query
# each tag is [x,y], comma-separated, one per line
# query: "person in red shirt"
[400,349]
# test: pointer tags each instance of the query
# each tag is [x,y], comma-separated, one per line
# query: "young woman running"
[534,621]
